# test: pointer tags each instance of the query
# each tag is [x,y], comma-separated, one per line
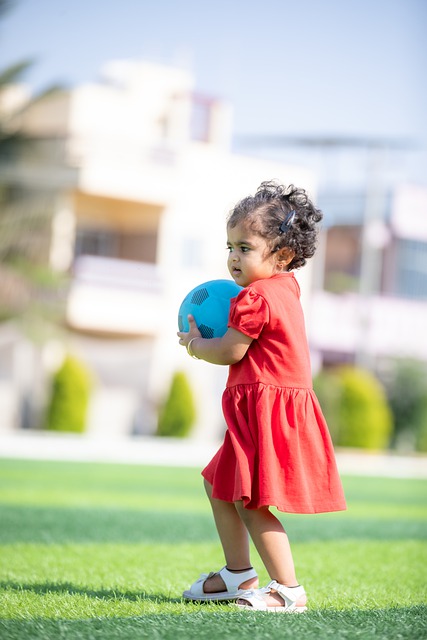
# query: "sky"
[288,68]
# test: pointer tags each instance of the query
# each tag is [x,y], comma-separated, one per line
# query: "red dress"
[277,450]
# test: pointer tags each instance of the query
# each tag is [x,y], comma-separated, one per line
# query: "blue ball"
[209,303]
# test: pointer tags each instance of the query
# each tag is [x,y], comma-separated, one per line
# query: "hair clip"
[287,222]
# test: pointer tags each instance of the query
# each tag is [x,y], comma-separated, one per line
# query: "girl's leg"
[234,540]
[272,544]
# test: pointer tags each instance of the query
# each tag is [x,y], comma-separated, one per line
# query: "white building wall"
[130,140]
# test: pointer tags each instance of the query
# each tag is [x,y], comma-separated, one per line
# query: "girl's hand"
[193,332]
[229,349]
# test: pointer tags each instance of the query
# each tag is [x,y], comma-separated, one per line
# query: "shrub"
[69,397]
[328,390]
[407,394]
[421,432]
[356,408]
[177,415]
[365,416]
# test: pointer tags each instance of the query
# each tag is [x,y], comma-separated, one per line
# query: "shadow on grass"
[404,623]
[71,589]
[59,525]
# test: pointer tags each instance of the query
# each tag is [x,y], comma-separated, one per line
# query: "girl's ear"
[285,257]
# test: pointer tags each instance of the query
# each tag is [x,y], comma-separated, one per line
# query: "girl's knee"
[249,514]
[239,506]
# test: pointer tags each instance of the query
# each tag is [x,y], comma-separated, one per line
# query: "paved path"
[169,451]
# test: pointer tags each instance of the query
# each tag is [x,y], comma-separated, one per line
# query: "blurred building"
[139,221]
[372,305]
[369,292]
[137,174]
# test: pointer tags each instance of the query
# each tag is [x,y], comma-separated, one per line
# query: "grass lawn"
[101,551]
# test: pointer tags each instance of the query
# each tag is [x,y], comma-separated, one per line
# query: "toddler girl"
[277,451]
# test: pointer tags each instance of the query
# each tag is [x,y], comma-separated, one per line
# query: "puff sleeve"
[249,313]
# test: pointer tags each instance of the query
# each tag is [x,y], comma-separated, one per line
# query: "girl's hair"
[284,216]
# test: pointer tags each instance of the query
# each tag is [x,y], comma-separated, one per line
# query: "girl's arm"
[226,350]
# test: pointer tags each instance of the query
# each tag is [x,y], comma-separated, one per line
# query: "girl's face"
[250,257]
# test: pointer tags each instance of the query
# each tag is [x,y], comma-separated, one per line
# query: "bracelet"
[190,351]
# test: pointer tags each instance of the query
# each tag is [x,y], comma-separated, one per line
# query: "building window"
[95,242]
[411,269]
[140,247]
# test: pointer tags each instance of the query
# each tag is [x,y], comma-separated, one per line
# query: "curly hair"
[269,209]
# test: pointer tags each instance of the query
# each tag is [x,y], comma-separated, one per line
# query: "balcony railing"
[115,296]
[112,272]
[378,326]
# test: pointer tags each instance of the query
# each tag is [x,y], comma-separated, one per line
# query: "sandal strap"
[254,599]
[233,580]
[232,583]
[290,595]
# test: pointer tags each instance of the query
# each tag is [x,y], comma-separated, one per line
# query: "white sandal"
[232,582]
[289,595]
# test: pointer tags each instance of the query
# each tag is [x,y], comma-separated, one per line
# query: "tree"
[26,282]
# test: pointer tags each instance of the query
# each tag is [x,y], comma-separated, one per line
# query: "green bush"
[69,399]
[421,432]
[328,390]
[355,407]
[407,394]
[178,414]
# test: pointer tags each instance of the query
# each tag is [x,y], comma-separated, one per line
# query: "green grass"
[103,551]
